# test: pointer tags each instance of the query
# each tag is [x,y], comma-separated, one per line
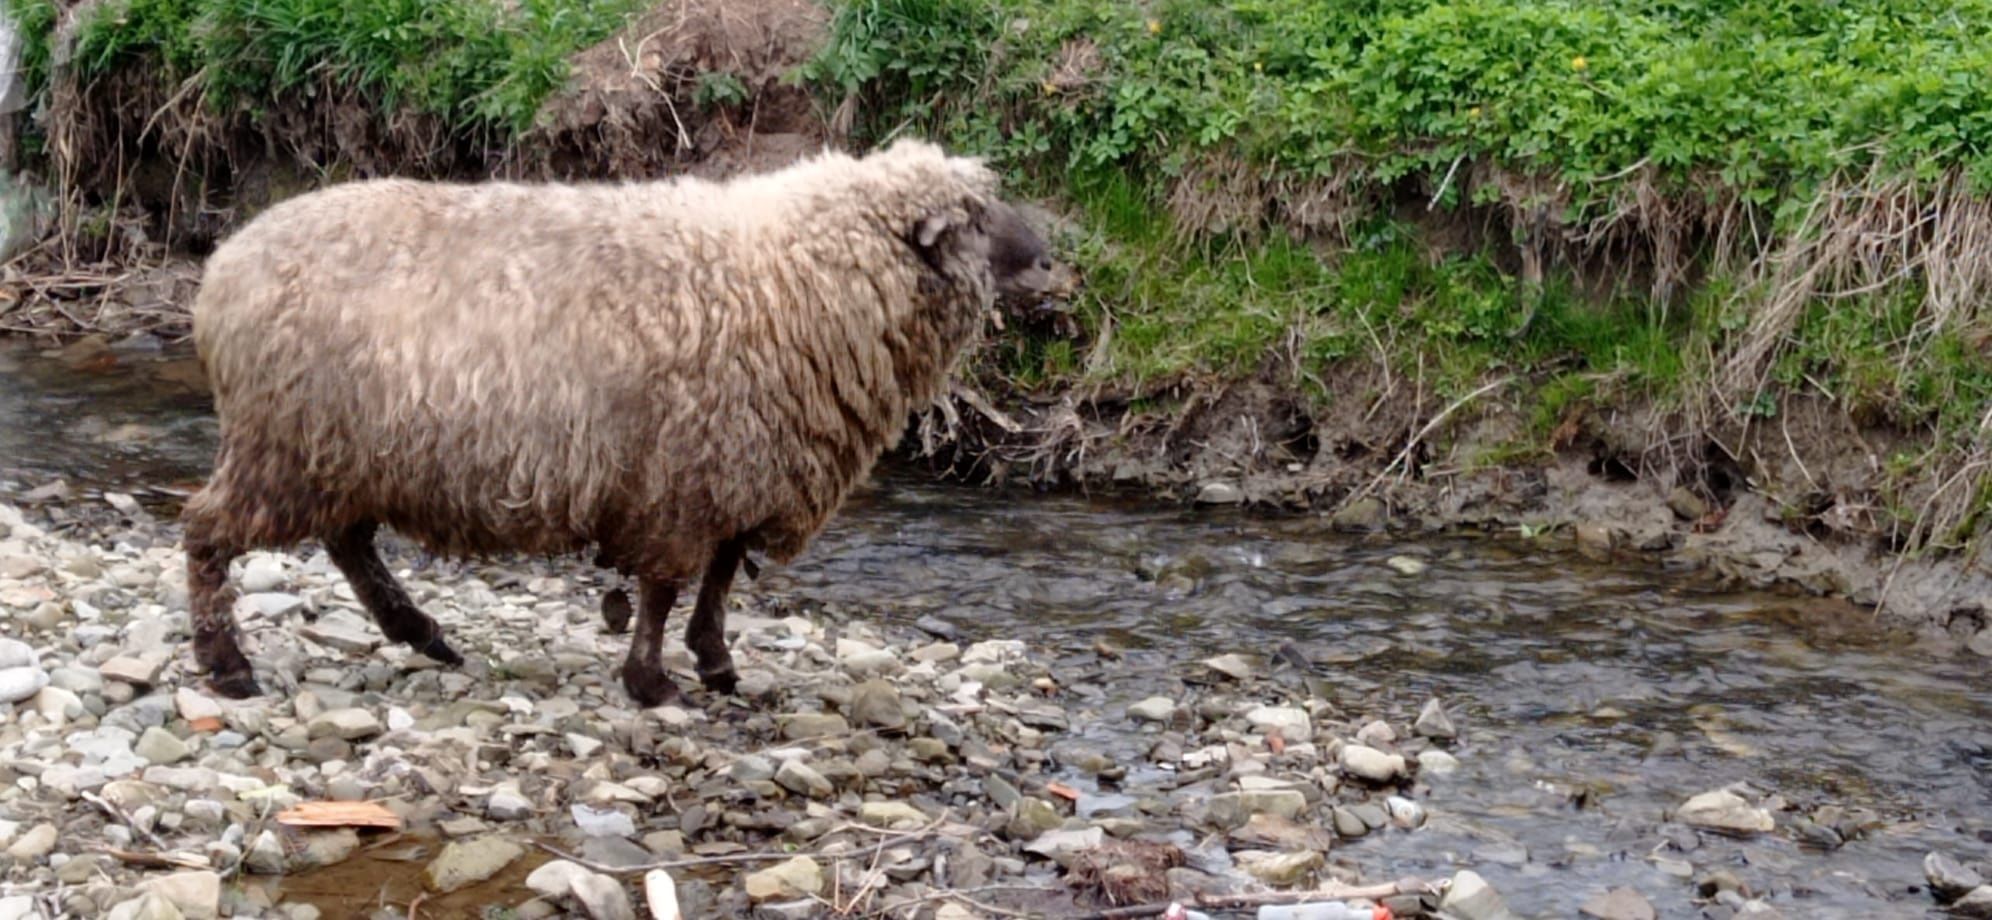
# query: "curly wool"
[649,368]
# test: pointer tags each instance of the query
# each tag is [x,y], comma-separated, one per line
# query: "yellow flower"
[1473,112]
[1154,26]
[1578,63]
[1048,88]
[1258,67]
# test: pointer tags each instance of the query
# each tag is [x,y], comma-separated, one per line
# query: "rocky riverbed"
[861,770]
[969,706]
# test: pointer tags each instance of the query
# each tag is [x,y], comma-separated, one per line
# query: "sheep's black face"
[1019,259]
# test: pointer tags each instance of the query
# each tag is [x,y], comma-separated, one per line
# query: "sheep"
[672,373]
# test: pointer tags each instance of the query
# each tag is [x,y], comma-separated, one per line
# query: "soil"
[1791,504]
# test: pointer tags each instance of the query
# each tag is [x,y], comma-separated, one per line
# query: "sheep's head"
[1018,259]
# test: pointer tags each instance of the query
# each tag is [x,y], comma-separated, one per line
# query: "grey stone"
[799,877]
[161,746]
[801,779]
[1949,879]
[466,862]
[1153,709]
[196,894]
[1370,764]
[1725,812]
[1434,723]
[1618,904]
[1471,898]
[348,724]
[876,703]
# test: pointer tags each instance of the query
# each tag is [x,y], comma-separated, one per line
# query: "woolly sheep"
[672,373]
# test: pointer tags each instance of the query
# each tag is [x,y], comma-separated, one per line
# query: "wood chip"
[340,814]
[1062,791]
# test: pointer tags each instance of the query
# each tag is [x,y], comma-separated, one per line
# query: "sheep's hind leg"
[706,634]
[210,607]
[643,671]
[400,620]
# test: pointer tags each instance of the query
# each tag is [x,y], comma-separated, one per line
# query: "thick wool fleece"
[647,367]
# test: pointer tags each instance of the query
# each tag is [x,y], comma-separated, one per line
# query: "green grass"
[1763,106]
[482,66]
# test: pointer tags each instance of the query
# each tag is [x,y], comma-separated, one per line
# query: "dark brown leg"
[616,610]
[400,620]
[643,671]
[211,608]
[706,633]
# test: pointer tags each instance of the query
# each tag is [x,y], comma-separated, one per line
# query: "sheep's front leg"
[706,633]
[210,608]
[643,671]
[352,550]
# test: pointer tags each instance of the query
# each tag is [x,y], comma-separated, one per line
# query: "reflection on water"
[1625,688]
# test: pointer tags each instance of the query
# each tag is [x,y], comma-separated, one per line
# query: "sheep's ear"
[929,230]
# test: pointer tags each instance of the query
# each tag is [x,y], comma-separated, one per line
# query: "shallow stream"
[1592,698]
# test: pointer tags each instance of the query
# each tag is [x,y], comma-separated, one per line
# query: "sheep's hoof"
[616,610]
[441,651]
[721,681]
[236,685]
[649,688]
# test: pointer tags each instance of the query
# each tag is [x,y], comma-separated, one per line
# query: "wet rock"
[1368,763]
[1434,723]
[603,897]
[197,895]
[1283,834]
[507,805]
[801,779]
[800,877]
[660,895]
[1949,879]
[143,907]
[466,862]
[1153,709]
[1348,823]
[1437,763]
[1234,666]
[1364,515]
[554,879]
[349,724]
[132,669]
[891,815]
[1219,493]
[876,703]
[1290,721]
[1618,904]
[265,855]
[813,725]
[1061,844]
[1469,897]
[327,847]
[1980,643]
[1404,812]
[1407,565]
[1725,812]
[1594,540]
[1031,818]
[262,572]
[1976,903]
[20,683]
[33,845]
[1233,809]
[602,822]
[160,746]
[1281,870]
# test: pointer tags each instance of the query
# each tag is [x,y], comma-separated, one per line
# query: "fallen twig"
[1262,898]
[691,861]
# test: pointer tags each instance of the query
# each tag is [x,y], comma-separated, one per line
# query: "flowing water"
[1592,698]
